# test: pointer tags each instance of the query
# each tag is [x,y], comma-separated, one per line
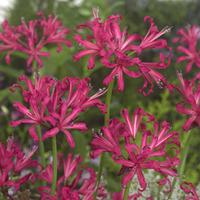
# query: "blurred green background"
[165,13]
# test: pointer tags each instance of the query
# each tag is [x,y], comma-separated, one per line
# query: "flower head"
[148,152]
[55,105]
[121,52]
[188,39]
[13,161]
[31,38]
[108,140]
[190,105]
[73,184]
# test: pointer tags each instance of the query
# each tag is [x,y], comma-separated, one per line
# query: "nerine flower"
[109,140]
[74,184]
[37,96]
[121,52]
[190,104]
[55,105]
[31,38]
[13,161]
[187,40]
[150,153]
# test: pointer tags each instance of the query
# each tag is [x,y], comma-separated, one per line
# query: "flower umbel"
[150,153]
[31,38]
[121,52]
[187,40]
[55,105]
[13,161]
[190,105]
[74,184]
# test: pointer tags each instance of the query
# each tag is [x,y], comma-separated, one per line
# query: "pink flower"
[30,38]
[133,124]
[12,164]
[190,104]
[47,174]
[56,105]
[150,153]
[70,165]
[37,96]
[121,52]
[73,184]
[108,141]
[188,39]
[65,111]
[153,145]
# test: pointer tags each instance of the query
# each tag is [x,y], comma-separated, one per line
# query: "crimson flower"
[190,105]
[73,184]
[150,153]
[31,38]
[121,52]
[108,141]
[37,96]
[188,39]
[13,162]
[55,105]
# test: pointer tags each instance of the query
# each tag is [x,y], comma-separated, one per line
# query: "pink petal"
[69,138]
[51,133]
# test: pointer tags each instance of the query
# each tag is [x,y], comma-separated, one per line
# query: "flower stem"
[126,192]
[186,144]
[41,145]
[108,103]
[54,150]
[106,121]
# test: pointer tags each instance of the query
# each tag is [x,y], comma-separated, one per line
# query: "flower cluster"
[188,40]
[138,144]
[121,52]
[31,38]
[190,105]
[13,162]
[75,184]
[150,153]
[55,105]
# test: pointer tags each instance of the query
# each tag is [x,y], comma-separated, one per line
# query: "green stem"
[54,150]
[186,144]
[108,102]
[39,132]
[126,192]
[41,147]
[106,121]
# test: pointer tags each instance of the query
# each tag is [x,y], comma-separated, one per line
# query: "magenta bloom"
[55,105]
[187,40]
[31,38]
[121,52]
[190,105]
[37,95]
[12,164]
[109,140]
[74,184]
[150,153]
